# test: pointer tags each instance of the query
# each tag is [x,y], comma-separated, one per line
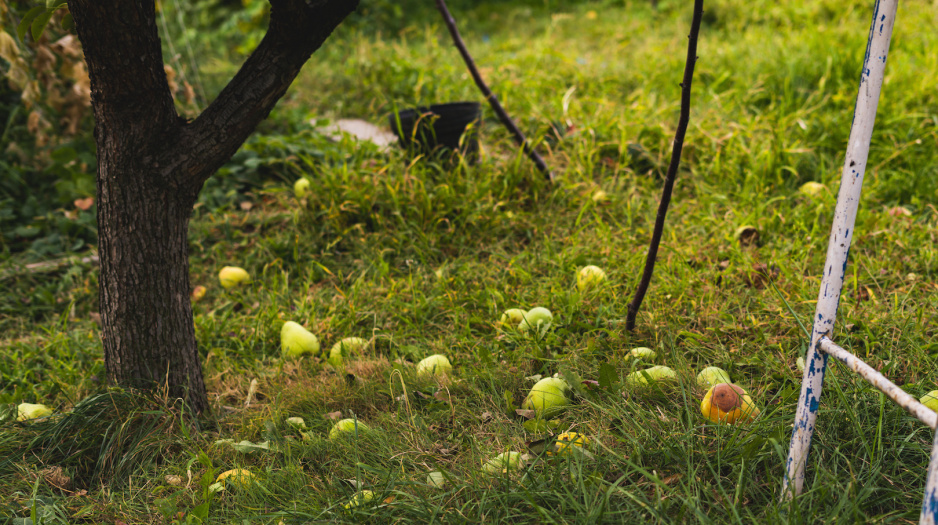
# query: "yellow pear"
[513,317]
[435,364]
[728,403]
[589,277]
[231,276]
[538,318]
[27,411]
[344,348]
[930,400]
[296,341]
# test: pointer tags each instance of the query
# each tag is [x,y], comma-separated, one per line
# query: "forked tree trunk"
[152,165]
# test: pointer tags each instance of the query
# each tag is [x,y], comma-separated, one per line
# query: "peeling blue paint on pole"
[929,514]
[838,247]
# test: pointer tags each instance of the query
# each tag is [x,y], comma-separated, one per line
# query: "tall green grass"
[422,258]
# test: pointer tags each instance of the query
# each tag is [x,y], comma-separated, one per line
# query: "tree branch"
[492,99]
[672,168]
[297,29]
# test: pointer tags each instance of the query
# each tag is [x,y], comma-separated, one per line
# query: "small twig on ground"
[492,99]
[672,168]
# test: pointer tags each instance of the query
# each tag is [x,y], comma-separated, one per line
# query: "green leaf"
[55,4]
[40,23]
[509,403]
[27,21]
[608,376]
[201,511]
[68,22]
[247,447]
[205,460]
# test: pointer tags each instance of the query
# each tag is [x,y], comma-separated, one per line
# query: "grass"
[423,259]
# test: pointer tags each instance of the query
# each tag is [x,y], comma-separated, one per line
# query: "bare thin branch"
[493,100]
[672,168]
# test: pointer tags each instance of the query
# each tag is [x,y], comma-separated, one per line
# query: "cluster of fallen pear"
[297,342]
[723,403]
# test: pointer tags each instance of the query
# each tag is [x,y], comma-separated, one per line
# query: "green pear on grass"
[297,423]
[538,318]
[513,317]
[362,498]
[301,187]
[502,463]
[656,373]
[812,189]
[27,411]
[435,364]
[347,427]
[642,353]
[231,276]
[589,277]
[548,397]
[345,348]
[712,376]
[296,341]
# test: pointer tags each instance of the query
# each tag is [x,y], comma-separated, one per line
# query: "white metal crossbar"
[912,405]
[835,268]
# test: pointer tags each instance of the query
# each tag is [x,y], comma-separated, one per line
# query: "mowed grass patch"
[421,258]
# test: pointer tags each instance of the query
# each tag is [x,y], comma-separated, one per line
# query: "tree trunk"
[152,165]
[148,334]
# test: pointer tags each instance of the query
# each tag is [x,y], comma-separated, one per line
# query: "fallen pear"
[567,442]
[297,423]
[548,397]
[436,364]
[301,187]
[642,353]
[503,463]
[27,411]
[231,276]
[513,317]
[712,375]
[198,293]
[347,427]
[362,498]
[728,403]
[657,374]
[345,348]
[538,320]
[812,189]
[589,277]
[296,341]
[930,400]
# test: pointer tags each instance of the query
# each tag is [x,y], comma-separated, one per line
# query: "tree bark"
[152,165]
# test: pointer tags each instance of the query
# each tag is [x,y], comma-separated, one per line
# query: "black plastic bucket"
[440,127]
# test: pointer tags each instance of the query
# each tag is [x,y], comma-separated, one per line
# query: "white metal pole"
[851,182]
[892,391]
